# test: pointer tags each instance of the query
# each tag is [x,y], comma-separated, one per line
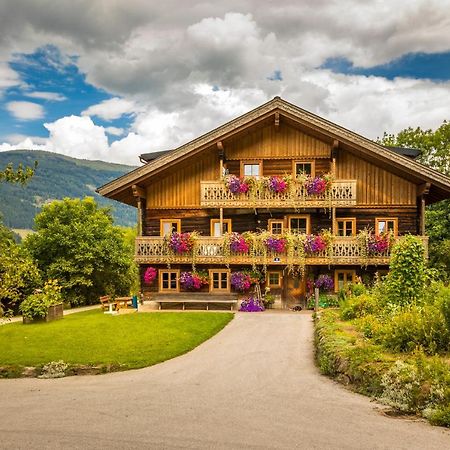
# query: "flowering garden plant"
[193,281]
[238,243]
[279,185]
[181,243]
[276,244]
[236,185]
[315,244]
[251,304]
[318,185]
[378,244]
[324,283]
[150,275]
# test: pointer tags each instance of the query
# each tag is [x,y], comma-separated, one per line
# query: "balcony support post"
[422,215]
[221,221]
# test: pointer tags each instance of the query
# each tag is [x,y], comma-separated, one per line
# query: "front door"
[295,289]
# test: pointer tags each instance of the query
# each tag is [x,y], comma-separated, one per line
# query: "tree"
[77,244]
[21,175]
[435,152]
[19,276]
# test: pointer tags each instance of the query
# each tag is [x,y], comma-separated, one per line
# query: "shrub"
[443,299]
[37,304]
[414,327]
[407,277]
[357,307]
[370,326]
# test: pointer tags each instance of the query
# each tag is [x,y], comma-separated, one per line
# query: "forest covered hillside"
[57,176]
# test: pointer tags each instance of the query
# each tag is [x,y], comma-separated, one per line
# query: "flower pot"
[53,313]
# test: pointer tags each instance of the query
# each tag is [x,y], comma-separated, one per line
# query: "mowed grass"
[92,338]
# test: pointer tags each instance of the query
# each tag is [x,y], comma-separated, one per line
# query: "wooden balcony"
[214,194]
[209,250]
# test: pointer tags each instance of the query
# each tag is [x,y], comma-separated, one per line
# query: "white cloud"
[8,77]
[115,131]
[25,110]
[50,96]
[111,109]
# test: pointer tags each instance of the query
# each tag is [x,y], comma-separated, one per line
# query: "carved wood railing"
[209,250]
[214,194]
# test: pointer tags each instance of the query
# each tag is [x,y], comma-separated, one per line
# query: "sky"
[111,79]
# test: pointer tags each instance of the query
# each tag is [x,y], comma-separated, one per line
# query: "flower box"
[54,312]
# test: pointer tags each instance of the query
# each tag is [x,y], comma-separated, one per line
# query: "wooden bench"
[105,300]
[198,298]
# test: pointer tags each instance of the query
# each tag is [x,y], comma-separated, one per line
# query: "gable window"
[274,279]
[299,224]
[345,227]
[168,280]
[342,278]
[304,168]
[219,280]
[251,169]
[276,226]
[385,225]
[215,227]
[169,226]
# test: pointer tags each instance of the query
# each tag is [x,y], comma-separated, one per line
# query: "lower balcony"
[210,250]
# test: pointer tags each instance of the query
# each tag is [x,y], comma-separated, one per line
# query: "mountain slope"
[56,177]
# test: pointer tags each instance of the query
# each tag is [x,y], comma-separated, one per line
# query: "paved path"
[254,385]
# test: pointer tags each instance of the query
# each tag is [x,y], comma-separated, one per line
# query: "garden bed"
[408,382]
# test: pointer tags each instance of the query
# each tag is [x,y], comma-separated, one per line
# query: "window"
[345,227]
[219,280]
[299,224]
[169,226]
[251,169]
[168,280]
[274,279]
[276,226]
[384,225]
[215,227]
[342,278]
[304,167]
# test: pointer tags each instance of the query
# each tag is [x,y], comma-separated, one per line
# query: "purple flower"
[314,244]
[316,186]
[277,185]
[150,275]
[193,281]
[276,245]
[324,283]
[241,281]
[251,304]
[238,244]
[236,185]
[181,242]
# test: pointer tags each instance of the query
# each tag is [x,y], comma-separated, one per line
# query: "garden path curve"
[254,385]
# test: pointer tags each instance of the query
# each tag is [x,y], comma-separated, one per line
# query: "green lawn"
[113,342]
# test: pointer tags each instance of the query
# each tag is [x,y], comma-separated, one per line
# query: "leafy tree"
[19,276]
[77,244]
[435,152]
[17,176]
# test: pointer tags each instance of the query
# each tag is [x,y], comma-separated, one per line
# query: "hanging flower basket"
[318,185]
[238,243]
[325,283]
[314,244]
[276,244]
[236,185]
[193,281]
[278,185]
[377,245]
[181,243]
[149,275]
[241,281]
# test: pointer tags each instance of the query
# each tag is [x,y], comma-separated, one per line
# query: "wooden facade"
[183,191]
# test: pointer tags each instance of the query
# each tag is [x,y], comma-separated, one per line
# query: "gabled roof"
[363,146]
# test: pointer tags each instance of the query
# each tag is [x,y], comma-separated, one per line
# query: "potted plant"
[43,305]
[269,299]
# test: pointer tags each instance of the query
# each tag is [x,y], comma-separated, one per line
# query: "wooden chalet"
[183,190]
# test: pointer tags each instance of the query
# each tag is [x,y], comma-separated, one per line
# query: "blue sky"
[112,80]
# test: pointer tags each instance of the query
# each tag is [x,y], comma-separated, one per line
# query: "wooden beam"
[422,215]
[277,121]
[423,189]
[138,191]
[220,146]
[139,217]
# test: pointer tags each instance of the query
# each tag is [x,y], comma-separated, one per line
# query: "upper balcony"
[214,194]
[210,250]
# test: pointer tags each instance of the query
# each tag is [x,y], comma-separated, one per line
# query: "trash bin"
[134,301]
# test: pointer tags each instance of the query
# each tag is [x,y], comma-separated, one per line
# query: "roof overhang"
[121,189]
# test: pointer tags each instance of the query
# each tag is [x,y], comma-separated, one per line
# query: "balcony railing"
[214,194]
[210,250]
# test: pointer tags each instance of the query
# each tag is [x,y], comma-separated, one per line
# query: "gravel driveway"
[254,385]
